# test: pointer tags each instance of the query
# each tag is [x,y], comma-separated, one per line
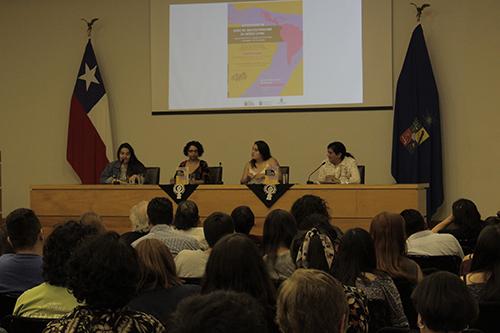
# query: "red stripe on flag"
[86,151]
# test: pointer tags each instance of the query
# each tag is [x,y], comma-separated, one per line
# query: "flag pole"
[90,25]
[419,9]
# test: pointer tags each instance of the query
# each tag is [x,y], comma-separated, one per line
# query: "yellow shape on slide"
[279,7]
[246,63]
[295,85]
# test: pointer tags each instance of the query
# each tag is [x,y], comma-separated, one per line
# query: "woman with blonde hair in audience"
[160,290]
[311,301]
[279,230]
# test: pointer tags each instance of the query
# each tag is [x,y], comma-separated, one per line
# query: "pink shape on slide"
[293,38]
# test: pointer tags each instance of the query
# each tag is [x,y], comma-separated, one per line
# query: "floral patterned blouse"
[86,320]
[201,172]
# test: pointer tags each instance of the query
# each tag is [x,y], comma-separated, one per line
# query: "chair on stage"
[215,175]
[285,174]
[361,169]
[152,175]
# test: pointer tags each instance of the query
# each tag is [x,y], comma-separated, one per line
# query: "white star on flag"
[89,76]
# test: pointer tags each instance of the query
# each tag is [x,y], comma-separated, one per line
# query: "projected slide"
[265,49]
[265,54]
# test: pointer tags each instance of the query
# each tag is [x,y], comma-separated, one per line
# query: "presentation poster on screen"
[265,49]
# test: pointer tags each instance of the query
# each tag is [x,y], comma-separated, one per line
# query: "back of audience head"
[59,246]
[156,265]
[356,255]
[23,229]
[243,219]
[236,264]
[216,226]
[443,303]
[221,312]
[160,211]
[465,214]
[414,221]
[279,230]
[139,216]
[103,272]
[311,301]
[491,220]
[94,220]
[486,259]
[388,233]
[307,205]
[186,215]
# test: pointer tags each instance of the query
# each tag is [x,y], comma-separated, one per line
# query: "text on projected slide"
[265,51]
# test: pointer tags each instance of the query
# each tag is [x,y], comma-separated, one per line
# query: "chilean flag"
[89,133]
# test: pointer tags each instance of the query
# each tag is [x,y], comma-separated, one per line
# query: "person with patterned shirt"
[103,273]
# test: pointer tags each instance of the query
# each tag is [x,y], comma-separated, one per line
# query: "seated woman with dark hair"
[279,230]
[187,220]
[443,304]
[317,249]
[236,264]
[126,169]
[356,265]
[484,279]
[103,273]
[464,223]
[52,299]
[197,169]
[340,167]
[262,160]
[160,290]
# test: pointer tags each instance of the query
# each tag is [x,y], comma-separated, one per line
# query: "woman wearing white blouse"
[340,167]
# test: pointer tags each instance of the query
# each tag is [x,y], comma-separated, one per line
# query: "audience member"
[52,299]
[22,270]
[464,223]
[356,265]
[103,273]
[388,233]
[192,263]
[443,304]
[140,223]
[307,205]
[279,230]
[317,250]
[187,220]
[236,264]
[219,312]
[160,216]
[484,279]
[243,219]
[423,242]
[94,220]
[311,301]
[160,290]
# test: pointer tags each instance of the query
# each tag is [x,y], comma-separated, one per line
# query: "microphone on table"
[309,181]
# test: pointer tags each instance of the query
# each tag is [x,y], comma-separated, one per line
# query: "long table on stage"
[350,205]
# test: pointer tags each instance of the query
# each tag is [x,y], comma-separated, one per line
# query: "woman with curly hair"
[197,168]
[103,273]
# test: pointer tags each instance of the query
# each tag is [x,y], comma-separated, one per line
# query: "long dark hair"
[263,149]
[487,258]
[338,147]
[466,215]
[134,165]
[356,255]
[279,230]
[236,264]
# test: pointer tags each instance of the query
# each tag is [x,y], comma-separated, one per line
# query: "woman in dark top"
[197,169]
[464,223]
[125,169]
[160,290]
